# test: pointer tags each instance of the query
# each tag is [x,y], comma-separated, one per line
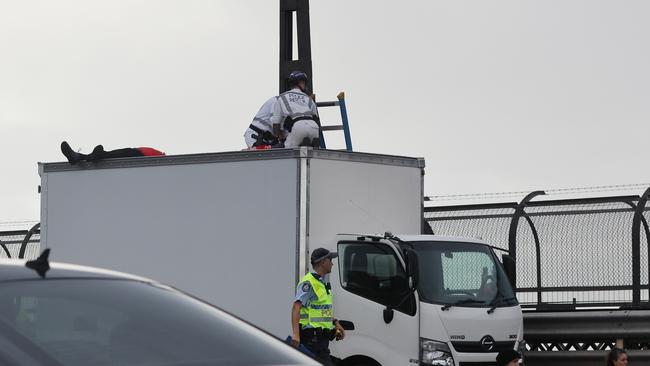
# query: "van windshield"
[463,274]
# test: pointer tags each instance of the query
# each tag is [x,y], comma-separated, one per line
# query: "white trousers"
[300,130]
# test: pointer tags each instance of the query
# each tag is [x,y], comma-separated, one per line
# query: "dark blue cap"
[321,253]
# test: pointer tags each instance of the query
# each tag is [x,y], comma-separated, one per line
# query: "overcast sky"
[495,95]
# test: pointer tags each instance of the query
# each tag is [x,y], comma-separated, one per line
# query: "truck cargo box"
[233,228]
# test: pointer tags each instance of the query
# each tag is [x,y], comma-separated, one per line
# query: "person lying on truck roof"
[100,154]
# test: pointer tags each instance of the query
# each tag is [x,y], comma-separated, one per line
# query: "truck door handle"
[346,324]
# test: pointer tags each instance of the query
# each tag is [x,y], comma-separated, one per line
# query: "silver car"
[67,315]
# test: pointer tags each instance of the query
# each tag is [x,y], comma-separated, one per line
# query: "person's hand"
[340,332]
[295,341]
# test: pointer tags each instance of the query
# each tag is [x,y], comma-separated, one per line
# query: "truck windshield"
[461,274]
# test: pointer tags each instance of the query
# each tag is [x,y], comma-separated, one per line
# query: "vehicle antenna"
[41,264]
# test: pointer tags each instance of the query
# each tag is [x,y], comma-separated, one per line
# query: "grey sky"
[496,95]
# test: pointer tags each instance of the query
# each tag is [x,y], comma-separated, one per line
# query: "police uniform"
[296,114]
[261,125]
[316,315]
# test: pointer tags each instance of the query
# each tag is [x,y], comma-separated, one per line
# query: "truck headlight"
[435,353]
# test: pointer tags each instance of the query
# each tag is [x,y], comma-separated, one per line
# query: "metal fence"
[570,253]
[24,244]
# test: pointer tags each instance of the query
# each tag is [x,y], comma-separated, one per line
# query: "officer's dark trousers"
[318,344]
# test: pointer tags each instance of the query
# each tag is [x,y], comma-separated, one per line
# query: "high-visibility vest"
[319,312]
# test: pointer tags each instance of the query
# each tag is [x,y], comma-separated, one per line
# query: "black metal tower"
[287,63]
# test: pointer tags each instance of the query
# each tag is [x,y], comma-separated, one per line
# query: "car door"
[370,277]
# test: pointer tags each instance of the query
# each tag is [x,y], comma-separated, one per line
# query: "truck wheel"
[359,361]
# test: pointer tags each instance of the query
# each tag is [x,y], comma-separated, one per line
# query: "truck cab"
[422,299]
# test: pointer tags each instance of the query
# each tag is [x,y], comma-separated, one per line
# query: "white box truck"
[237,229]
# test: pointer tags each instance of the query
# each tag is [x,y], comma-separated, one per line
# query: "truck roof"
[15,269]
[441,238]
[232,156]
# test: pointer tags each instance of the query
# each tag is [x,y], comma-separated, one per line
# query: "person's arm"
[276,120]
[277,132]
[314,110]
[312,105]
[295,323]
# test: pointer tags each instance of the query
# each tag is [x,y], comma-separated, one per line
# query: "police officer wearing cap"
[312,320]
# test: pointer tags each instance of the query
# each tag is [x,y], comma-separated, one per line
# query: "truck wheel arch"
[359,360]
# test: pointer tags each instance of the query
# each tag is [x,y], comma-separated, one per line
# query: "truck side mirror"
[412,268]
[510,267]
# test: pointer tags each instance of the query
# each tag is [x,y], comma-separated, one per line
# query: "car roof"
[15,269]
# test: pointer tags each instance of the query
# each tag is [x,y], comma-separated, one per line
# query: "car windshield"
[80,322]
[462,274]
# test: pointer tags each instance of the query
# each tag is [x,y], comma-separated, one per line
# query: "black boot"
[97,154]
[72,156]
[315,143]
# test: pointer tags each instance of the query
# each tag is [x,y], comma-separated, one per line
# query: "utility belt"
[317,333]
[289,122]
[263,137]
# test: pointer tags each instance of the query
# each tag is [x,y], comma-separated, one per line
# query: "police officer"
[260,131]
[312,320]
[295,115]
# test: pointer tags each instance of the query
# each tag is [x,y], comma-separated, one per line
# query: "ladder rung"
[327,104]
[332,128]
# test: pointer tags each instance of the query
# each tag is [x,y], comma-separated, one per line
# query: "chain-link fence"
[24,244]
[569,253]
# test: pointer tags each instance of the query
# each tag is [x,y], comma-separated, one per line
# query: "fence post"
[636,248]
[23,246]
[4,247]
[512,235]
[538,253]
[620,343]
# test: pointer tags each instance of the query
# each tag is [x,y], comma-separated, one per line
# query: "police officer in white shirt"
[260,131]
[295,115]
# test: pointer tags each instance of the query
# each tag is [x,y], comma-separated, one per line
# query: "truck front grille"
[477,347]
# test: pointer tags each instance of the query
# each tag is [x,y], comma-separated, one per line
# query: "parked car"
[70,315]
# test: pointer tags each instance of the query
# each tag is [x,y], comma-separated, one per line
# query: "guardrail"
[584,337]
[581,358]
[582,330]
